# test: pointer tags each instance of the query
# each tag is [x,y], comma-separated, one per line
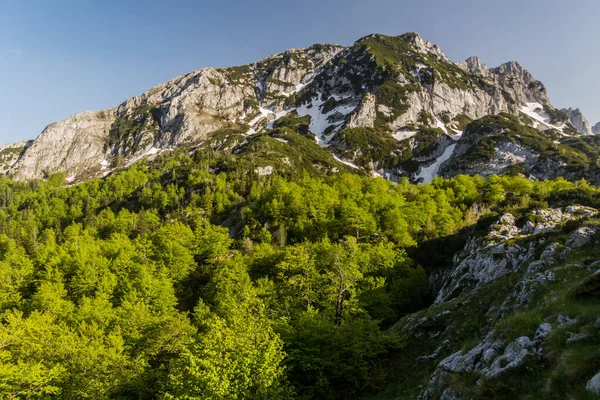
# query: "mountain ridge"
[392,84]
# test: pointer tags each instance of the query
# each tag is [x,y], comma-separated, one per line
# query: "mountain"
[389,106]
[596,128]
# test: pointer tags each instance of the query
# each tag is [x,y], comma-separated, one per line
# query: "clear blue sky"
[60,57]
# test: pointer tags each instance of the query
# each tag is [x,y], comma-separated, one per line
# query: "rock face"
[365,113]
[185,110]
[10,153]
[474,66]
[73,146]
[488,359]
[578,121]
[382,82]
[520,84]
[596,129]
[487,258]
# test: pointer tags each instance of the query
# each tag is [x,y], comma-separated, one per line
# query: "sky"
[59,58]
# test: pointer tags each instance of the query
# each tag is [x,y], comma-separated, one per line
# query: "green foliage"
[461,121]
[424,138]
[238,75]
[589,288]
[425,118]
[394,96]
[294,122]
[398,54]
[368,144]
[556,116]
[196,277]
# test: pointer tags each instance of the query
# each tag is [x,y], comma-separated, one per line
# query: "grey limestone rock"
[579,121]
[593,385]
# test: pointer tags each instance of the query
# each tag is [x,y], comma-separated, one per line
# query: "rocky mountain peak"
[578,120]
[423,46]
[513,68]
[596,129]
[530,89]
[474,66]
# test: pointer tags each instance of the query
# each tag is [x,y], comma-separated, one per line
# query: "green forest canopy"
[175,281]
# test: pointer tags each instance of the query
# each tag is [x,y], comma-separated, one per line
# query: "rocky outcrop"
[522,87]
[365,113]
[74,145]
[516,81]
[534,263]
[593,385]
[505,144]
[596,129]
[488,359]
[424,46]
[487,258]
[502,89]
[474,66]
[10,153]
[579,121]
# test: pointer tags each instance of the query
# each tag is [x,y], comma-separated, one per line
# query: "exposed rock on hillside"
[508,308]
[504,144]
[10,153]
[75,146]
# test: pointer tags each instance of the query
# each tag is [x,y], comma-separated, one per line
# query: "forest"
[178,280]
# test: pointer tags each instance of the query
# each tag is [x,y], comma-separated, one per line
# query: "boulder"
[593,385]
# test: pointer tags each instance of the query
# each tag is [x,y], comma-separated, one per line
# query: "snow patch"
[348,163]
[150,152]
[416,72]
[440,124]
[264,113]
[430,172]
[458,134]
[403,134]
[319,122]
[535,111]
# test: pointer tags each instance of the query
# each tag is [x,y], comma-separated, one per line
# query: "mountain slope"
[396,86]
[515,313]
